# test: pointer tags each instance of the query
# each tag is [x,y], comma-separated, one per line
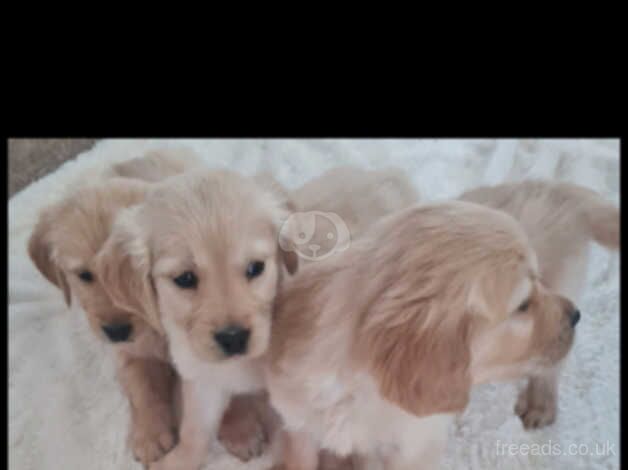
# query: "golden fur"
[560,220]
[65,243]
[359,196]
[156,165]
[372,352]
[211,224]
[337,206]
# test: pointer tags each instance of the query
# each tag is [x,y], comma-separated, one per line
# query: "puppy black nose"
[232,340]
[575,317]
[118,332]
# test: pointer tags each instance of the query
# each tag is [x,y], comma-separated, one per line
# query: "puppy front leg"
[202,408]
[148,384]
[296,451]
[247,425]
[330,461]
[430,460]
[422,447]
[537,404]
[367,462]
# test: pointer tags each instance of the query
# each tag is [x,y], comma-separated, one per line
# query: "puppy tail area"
[603,220]
[157,165]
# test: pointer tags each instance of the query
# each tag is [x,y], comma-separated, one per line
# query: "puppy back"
[158,165]
[545,205]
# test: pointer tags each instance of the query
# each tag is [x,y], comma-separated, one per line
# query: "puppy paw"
[151,438]
[162,465]
[245,438]
[534,411]
[177,459]
[328,461]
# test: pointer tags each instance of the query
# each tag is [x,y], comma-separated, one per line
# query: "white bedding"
[66,410]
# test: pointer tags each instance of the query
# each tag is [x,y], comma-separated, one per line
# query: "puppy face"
[461,303]
[536,332]
[65,244]
[202,252]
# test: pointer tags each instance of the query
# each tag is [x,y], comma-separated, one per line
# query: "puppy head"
[314,235]
[528,328]
[65,244]
[201,256]
[456,301]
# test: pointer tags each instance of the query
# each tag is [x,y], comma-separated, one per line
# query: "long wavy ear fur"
[424,370]
[40,251]
[123,266]
[267,182]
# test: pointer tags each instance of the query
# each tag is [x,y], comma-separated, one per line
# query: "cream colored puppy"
[337,206]
[560,219]
[373,352]
[201,256]
[64,247]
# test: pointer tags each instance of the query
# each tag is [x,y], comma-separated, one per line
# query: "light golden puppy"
[448,296]
[560,219]
[64,246]
[202,257]
[338,206]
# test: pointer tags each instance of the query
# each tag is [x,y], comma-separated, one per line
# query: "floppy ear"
[287,251]
[290,260]
[123,266]
[491,291]
[288,232]
[40,252]
[286,207]
[424,370]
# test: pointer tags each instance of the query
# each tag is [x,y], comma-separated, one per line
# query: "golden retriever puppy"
[201,256]
[339,205]
[373,352]
[64,246]
[560,220]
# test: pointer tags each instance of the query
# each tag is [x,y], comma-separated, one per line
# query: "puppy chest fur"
[349,416]
[234,376]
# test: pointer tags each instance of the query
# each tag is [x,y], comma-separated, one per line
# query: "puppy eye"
[86,276]
[254,269]
[187,280]
[524,306]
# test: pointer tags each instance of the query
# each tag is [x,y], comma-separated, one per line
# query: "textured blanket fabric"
[66,410]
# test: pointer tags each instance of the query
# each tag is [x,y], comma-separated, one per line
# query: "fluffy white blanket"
[66,410]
